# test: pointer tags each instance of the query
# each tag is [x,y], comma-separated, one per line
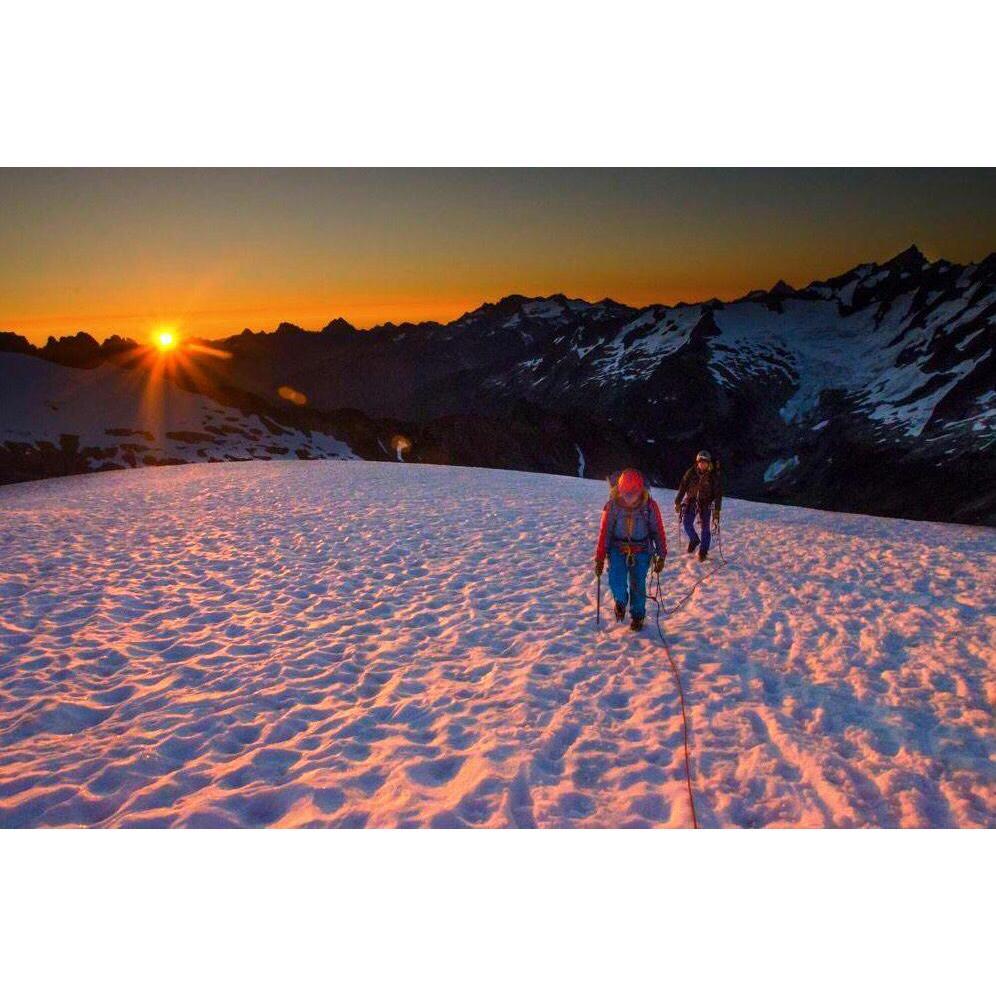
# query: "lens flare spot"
[199,347]
[294,397]
[401,446]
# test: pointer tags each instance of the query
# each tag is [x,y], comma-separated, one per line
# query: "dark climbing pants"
[688,521]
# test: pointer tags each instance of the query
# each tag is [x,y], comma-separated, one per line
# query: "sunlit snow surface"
[359,644]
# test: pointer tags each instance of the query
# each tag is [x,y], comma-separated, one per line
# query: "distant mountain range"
[873,391]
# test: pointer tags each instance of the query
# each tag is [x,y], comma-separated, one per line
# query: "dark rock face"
[873,391]
[11,343]
[33,461]
[80,350]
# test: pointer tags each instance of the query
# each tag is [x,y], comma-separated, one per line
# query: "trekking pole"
[598,601]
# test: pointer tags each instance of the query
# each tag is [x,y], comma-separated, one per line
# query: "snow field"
[355,644]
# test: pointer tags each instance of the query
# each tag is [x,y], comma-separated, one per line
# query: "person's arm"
[682,488]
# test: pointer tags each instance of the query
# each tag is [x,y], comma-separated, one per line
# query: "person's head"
[630,486]
[703,460]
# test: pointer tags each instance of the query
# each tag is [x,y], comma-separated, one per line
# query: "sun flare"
[165,339]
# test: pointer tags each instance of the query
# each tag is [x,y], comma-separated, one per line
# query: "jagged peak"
[338,325]
[508,301]
[909,258]
[512,302]
[115,342]
[78,338]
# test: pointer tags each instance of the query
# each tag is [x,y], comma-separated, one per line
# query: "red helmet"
[630,482]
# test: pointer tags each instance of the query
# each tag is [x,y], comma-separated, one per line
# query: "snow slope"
[373,644]
[122,417]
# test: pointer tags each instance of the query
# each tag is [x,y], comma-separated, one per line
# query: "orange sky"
[212,251]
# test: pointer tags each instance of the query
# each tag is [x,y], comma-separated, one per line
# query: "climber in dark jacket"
[700,489]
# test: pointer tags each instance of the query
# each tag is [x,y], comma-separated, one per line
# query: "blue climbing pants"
[629,583]
[688,521]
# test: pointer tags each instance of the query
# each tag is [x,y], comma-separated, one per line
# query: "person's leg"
[688,520]
[638,585]
[618,576]
[706,529]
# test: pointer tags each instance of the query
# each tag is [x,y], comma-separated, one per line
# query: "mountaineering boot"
[620,611]
[692,544]
[703,554]
[636,624]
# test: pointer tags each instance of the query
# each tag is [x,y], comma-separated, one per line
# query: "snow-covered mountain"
[61,420]
[344,643]
[872,391]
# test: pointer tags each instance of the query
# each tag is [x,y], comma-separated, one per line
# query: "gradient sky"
[214,251]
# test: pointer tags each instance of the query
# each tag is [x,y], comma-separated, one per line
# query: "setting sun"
[165,339]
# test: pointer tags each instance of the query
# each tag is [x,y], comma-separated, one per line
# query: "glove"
[715,516]
[599,567]
[677,507]
[658,564]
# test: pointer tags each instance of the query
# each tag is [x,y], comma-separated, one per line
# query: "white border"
[497,911]
[525,82]
[537,83]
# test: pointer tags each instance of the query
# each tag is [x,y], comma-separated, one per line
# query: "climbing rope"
[658,599]
[705,577]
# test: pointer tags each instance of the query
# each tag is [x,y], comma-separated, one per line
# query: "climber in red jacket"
[631,531]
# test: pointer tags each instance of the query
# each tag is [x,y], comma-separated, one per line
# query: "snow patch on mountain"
[913,416]
[806,342]
[779,467]
[543,309]
[669,335]
[819,350]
